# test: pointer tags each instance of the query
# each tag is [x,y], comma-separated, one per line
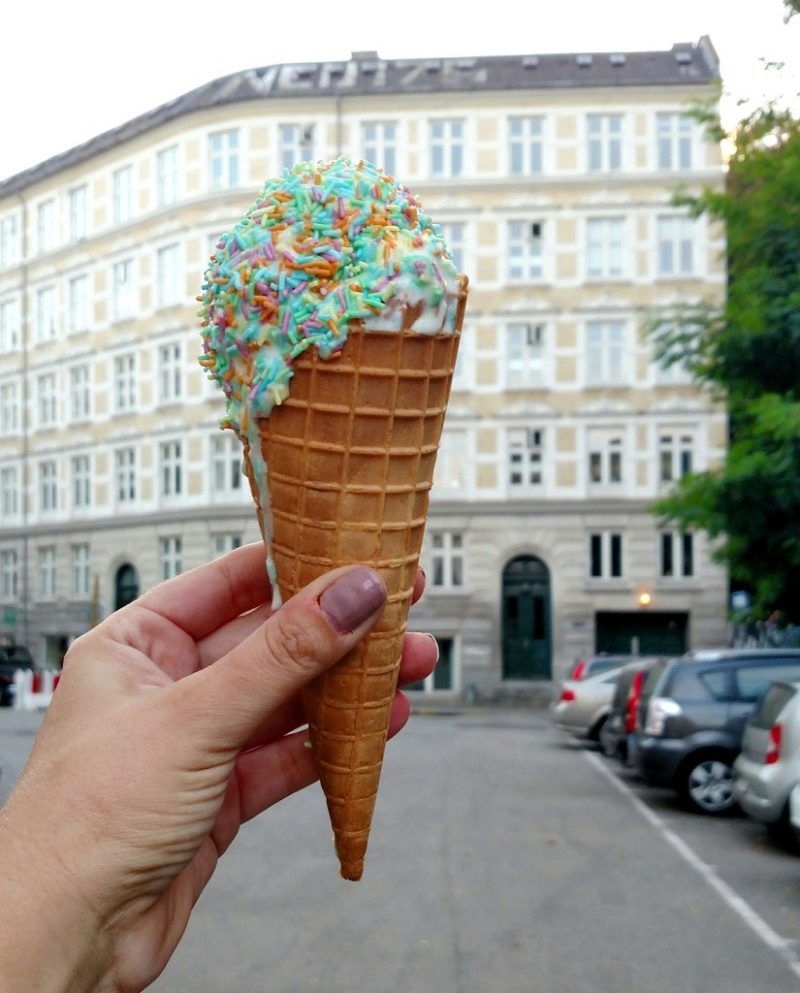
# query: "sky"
[71,70]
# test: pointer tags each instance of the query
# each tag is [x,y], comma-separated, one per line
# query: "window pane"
[616,554]
[596,555]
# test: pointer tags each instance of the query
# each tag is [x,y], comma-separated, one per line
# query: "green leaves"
[748,352]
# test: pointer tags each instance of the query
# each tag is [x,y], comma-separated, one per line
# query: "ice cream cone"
[351,454]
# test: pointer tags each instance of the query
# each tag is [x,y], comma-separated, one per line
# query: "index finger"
[204,599]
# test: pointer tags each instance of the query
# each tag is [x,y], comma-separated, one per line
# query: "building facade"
[552,177]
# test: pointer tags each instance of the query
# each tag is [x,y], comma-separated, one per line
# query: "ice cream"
[331,316]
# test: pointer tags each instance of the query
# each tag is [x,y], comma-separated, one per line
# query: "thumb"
[310,632]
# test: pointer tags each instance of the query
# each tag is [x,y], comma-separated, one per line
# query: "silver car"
[768,767]
[584,704]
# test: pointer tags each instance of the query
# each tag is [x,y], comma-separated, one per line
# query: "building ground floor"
[514,593]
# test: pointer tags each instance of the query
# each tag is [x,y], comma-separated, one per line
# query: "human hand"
[175,721]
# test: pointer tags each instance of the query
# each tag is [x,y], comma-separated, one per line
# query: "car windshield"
[17,656]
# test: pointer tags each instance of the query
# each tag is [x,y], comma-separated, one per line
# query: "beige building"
[552,177]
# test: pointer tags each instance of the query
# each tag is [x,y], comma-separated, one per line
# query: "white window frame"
[45,226]
[605,353]
[606,541]
[606,248]
[46,560]
[167,176]
[48,486]
[221,544]
[170,371]
[676,453]
[605,458]
[674,141]
[450,478]
[126,481]
[10,325]
[224,159]
[676,542]
[171,466]
[295,143]
[10,247]
[9,574]
[447,145]
[379,144]
[80,468]
[9,408]
[47,400]
[78,212]
[447,560]
[605,144]
[79,308]
[525,354]
[123,289]
[171,556]
[126,383]
[226,465]
[526,144]
[525,459]
[46,313]
[81,570]
[455,237]
[677,247]
[122,194]
[9,491]
[80,392]
[526,250]
[169,275]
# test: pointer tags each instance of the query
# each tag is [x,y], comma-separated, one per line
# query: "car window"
[754,680]
[598,666]
[691,682]
[772,703]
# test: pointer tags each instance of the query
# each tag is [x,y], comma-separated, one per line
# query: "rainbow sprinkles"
[323,246]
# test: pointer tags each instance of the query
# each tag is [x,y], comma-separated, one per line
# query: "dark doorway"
[527,639]
[126,585]
[651,632]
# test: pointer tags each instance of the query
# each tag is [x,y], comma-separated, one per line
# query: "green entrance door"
[527,640]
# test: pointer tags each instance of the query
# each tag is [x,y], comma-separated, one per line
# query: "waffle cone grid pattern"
[351,455]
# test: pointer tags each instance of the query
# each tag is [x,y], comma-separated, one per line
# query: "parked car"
[692,714]
[621,722]
[583,705]
[12,657]
[594,664]
[768,768]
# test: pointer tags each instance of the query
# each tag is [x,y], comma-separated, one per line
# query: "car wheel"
[596,730]
[707,784]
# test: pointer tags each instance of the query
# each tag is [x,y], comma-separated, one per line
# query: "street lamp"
[644,599]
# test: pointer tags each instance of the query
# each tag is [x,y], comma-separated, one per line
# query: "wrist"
[49,942]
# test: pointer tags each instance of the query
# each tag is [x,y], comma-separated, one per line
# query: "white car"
[584,704]
[768,768]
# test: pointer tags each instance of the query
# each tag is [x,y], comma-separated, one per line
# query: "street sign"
[9,617]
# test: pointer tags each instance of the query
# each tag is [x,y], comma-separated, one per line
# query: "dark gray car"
[692,714]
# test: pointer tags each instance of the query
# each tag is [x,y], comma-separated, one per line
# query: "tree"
[748,353]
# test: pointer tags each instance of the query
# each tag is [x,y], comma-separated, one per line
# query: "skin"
[175,722]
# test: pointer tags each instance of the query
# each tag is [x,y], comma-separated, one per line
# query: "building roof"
[365,73]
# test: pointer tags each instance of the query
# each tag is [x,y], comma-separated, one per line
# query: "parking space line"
[730,897]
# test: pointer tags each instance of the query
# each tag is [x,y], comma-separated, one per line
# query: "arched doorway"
[527,638]
[126,585]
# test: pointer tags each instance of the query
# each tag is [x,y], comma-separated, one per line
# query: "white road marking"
[737,904]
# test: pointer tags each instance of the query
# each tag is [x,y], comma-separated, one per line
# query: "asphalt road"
[504,857]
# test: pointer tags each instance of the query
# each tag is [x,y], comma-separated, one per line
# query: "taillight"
[578,671]
[634,693]
[774,746]
[567,696]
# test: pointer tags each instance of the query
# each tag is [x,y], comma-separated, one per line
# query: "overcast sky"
[70,70]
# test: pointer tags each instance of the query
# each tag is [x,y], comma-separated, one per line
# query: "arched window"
[126,585]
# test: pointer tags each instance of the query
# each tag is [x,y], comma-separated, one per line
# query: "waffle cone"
[351,455]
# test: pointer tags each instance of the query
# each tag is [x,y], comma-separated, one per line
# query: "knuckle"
[291,644]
